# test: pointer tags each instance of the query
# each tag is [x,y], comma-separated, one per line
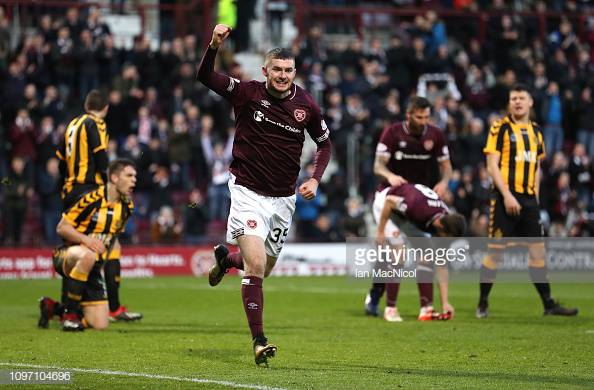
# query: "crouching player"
[89,229]
[419,212]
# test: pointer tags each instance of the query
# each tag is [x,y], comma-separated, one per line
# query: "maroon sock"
[253,303]
[426,293]
[392,293]
[425,284]
[235,260]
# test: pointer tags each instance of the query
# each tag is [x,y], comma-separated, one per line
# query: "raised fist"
[219,34]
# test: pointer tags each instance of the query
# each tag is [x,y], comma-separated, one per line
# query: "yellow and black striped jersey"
[95,216]
[84,152]
[520,146]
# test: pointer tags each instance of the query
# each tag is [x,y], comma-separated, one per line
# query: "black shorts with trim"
[95,287]
[526,224]
[78,190]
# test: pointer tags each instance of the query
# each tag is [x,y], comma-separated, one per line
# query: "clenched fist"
[219,34]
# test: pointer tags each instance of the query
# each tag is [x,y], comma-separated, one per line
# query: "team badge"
[428,144]
[252,224]
[299,115]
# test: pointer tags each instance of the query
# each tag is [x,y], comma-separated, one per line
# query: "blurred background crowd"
[180,134]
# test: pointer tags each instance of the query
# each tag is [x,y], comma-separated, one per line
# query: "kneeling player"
[420,212]
[89,229]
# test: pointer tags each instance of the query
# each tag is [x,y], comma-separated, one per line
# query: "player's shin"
[253,303]
[112,283]
[425,284]
[75,287]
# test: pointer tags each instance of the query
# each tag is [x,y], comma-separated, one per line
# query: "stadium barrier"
[151,261]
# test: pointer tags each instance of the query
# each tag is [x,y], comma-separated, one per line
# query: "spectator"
[552,113]
[585,115]
[22,137]
[166,229]
[353,223]
[17,192]
[218,159]
[196,218]
[179,142]
[48,187]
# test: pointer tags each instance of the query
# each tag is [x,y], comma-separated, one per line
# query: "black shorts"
[95,288]
[526,224]
[79,190]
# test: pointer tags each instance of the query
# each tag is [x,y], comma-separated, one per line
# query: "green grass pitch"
[194,332]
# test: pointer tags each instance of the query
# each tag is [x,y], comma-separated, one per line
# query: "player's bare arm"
[537,179]
[445,169]
[380,169]
[512,207]
[70,234]
[442,280]
[219,34]
[389,206]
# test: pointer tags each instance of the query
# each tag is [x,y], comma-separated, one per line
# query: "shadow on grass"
[477,376]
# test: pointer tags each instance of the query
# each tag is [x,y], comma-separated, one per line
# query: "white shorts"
[392,232]
[267,217]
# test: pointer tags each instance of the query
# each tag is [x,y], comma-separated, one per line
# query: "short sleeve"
[384,145]
[541,152]
[441,150]
[83,207]
[96,141]
[494,139]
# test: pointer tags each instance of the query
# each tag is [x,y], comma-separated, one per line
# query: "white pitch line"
[143,375]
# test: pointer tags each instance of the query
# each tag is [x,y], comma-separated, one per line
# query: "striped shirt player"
[89,229]
[514,151]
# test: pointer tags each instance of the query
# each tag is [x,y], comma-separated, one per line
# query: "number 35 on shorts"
[278,235]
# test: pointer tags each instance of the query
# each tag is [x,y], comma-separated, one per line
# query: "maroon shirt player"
[408,152]
[422,207]
[271,119]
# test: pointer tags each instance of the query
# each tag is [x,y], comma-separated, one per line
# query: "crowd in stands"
[180,134]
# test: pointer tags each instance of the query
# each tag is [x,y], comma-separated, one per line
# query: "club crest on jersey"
[252,224]
[299,115]
[428,144]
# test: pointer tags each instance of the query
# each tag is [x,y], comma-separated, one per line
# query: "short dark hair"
[520,88]
[118,164]
[417,103]
[454,224]
[95,101]
[279,53]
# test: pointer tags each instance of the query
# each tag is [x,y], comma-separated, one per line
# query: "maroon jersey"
[269,132]
[412,157]
[419,204]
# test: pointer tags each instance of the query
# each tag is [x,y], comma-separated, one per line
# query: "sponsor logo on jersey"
[526,156]
[402,144]
[259,117]
[265,103]
[428,144]
[299,115]
[403,156]
[252,224]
